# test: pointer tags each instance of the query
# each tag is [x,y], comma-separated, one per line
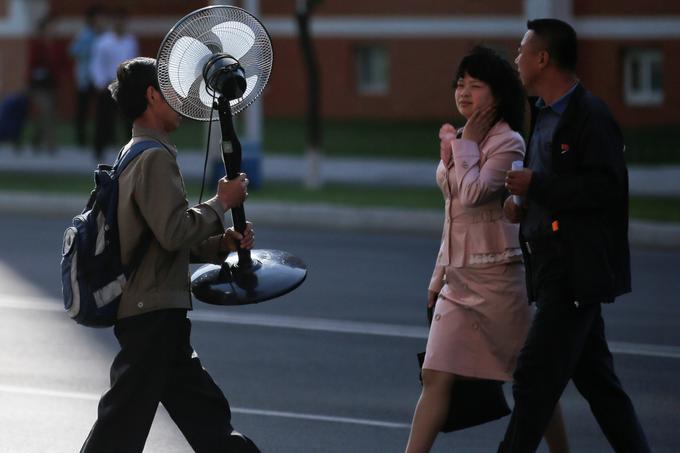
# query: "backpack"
[92,274]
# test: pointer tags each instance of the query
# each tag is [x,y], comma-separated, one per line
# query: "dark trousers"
[105,123]
[156,364]
[83,101]
[567,341]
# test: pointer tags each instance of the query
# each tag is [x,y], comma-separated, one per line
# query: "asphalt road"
[329,368]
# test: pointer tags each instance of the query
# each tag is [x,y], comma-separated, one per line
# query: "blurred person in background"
[110,49]
[481,310]
[81,49]
[574,237]
[46,64]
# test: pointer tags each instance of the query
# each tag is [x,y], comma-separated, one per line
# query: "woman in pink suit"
[481,313]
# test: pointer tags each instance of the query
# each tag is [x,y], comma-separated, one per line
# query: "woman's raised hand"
[479,124]
[447,133]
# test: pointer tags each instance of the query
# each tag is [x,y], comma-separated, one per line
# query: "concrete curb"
[274,167]
[643,180]
[325,216]
[654,234]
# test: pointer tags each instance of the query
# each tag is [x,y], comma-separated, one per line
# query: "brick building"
[395,59]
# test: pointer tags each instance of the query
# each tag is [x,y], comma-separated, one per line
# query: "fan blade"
[250,84]
[197,91]
[185,63]
[237,38]
[206,98]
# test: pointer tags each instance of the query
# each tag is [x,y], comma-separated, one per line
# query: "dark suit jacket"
[588,195]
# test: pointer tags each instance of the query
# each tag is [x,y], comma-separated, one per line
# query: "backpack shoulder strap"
[134,151]
[121,162]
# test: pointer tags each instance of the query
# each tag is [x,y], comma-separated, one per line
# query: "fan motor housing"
[224,75]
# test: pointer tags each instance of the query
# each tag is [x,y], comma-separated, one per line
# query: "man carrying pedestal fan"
[161,234]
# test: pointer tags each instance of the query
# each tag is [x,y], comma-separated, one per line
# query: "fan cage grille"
[257,61]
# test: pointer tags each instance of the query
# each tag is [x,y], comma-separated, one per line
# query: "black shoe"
[238,443]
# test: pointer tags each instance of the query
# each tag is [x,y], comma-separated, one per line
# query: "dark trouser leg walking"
[105,122]
[566,341]
[139,376]
[194,401]
[83,96]
[596,380]
[544,367]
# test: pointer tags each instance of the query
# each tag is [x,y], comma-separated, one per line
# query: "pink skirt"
[481,320]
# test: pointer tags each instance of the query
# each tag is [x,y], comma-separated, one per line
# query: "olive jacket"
[153,208]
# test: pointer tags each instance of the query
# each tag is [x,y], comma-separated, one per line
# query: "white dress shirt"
[110,49]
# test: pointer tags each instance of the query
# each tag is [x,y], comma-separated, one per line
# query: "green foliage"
[664,209]
[358,138]
[389,139]
[653,145]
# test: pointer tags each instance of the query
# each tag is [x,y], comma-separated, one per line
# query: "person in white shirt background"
[110,49]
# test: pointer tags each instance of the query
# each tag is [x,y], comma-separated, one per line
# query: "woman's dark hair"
[486,65]
[559,39]
[133,77]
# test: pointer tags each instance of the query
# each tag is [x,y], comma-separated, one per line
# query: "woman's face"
[472,94]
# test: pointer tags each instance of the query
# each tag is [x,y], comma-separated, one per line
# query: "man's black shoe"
[238,443]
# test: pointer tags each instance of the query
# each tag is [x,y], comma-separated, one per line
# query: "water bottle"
[517,165]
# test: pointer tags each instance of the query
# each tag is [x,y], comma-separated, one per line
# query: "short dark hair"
[93,12]
[133,77]
[486,65]
[560,41]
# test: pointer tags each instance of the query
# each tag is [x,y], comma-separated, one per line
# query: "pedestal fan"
[220,57]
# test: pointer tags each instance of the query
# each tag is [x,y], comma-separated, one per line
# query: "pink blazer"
[475,232]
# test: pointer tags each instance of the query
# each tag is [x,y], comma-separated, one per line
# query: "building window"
[372,70]
[643,77]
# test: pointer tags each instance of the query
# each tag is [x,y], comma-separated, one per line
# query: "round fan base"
[272,273]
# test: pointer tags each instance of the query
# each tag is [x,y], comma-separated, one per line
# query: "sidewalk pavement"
[653,181]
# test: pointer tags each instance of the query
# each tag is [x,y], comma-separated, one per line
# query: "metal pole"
[231,154]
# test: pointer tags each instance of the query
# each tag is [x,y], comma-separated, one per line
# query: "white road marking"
[34,391]
[326,325]
[305,323]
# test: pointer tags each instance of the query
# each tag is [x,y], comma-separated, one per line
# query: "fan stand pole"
[232,156]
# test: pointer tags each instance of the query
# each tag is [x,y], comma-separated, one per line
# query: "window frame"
[369,52]
[646,94]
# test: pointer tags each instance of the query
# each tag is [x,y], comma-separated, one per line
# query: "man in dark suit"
[574,235]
